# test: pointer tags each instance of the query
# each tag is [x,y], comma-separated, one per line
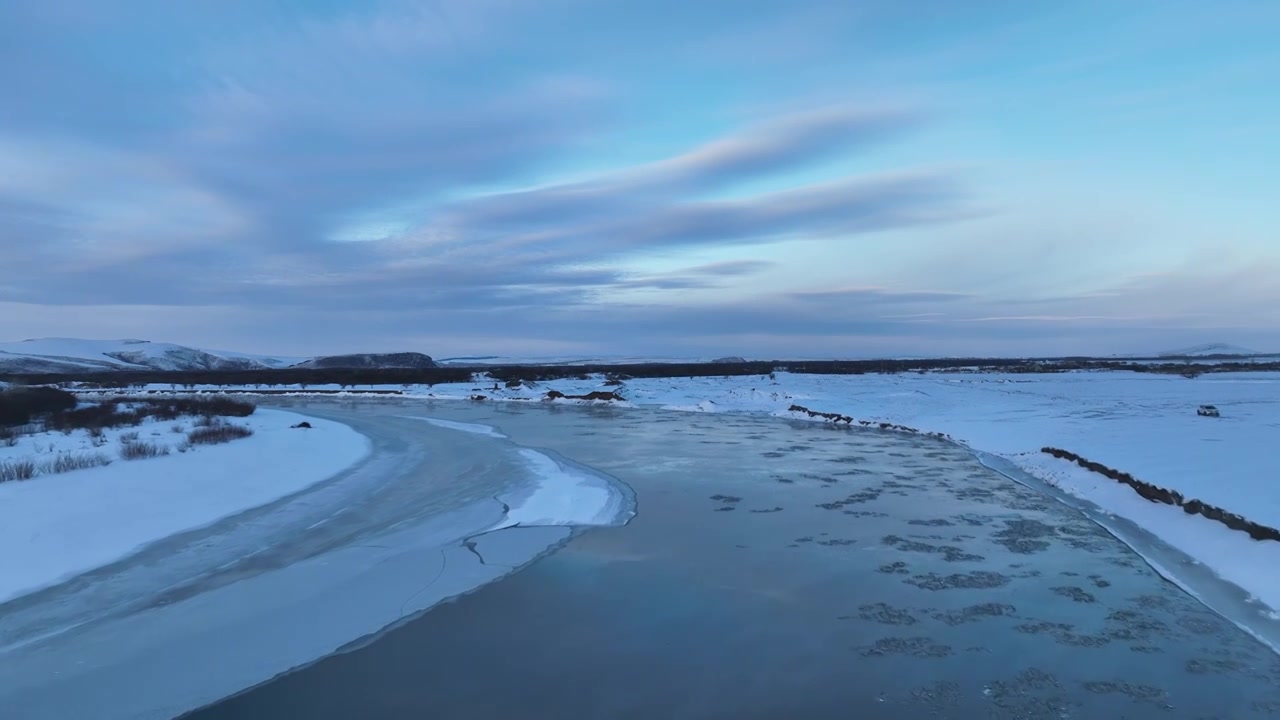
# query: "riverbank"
[57,526]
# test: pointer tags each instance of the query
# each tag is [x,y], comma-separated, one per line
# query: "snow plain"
[57,526]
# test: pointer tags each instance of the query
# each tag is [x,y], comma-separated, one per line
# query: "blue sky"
[754,177]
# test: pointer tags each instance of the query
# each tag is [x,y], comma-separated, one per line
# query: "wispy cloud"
[402,166]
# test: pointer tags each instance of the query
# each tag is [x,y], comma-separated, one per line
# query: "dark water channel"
[794,570]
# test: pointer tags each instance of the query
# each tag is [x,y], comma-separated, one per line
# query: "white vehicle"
[1207,411]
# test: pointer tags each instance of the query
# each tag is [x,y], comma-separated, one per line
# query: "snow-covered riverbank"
[59,525]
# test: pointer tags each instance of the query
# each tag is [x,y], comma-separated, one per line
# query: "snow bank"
[564,495]
[1231,554]
[57,526]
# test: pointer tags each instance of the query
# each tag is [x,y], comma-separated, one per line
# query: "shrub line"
[848,420]
[1155,493]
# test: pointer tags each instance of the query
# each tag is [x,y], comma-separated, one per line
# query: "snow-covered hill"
[410,360]
[1210,349]
[69,355]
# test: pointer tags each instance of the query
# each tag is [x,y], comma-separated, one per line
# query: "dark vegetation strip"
[220,433]
[836,418]
[120,412]
[461,374]
[1155,493]
[59,410]
[18,406]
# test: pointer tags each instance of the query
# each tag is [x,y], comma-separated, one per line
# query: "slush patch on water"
[941,695]
[1150,602]
[949,553]
[974,493]
[1025,537]
[857,498]
[976,580]
[885,614]
[1062,634]
[974,613]
[896,568]
[1136,626]
[935,522]
[1200,625]
[1144,693]
[1266,707]
[1209,666]
[972,520]
[1032,694]
[920,647]
[1076,594]
[849,460]
[473,428]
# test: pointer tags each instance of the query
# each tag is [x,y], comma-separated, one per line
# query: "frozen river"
[774,569]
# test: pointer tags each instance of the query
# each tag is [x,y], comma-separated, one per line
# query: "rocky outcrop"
[838,418]
[599,395]
[833,417]
[367,361]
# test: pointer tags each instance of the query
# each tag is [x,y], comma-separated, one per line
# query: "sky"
[764,178]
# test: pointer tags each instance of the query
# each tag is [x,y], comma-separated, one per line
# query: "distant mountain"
[495,360]
[68,355]
[1210,349]
[410,360]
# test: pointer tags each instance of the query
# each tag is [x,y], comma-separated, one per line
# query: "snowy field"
[56,526]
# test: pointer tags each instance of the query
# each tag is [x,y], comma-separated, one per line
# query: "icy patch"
[473,428]
[564,495]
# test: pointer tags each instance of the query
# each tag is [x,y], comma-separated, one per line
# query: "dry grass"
[141,450]
[66,462]
[215,434]
[17,470]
